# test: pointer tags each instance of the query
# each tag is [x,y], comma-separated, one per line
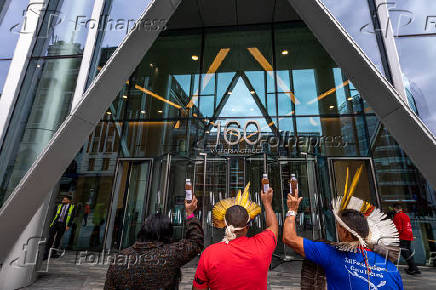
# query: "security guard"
[61,222]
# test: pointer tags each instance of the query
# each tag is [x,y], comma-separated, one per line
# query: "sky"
[417,54]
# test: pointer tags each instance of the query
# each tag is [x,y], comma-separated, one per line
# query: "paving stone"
[65,274]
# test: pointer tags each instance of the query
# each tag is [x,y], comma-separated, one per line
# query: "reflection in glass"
[306,94]
[417,56]
[333,136]
[4,68]
[116,21]
[238,68]
[359,25]
[11,20]
[134,208]
[65,28]
[365,187]
[33,127]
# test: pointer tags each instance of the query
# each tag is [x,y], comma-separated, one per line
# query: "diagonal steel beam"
[408,129]
[45,172]
[259,104]
[224,99]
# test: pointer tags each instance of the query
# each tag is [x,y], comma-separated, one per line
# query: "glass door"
[308,222]
[210,186]
[257,165]
[366,188]
[180,168]
[128,203]
[134,212]
[279,173]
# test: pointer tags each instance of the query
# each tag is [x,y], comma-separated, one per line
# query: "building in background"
[245,83]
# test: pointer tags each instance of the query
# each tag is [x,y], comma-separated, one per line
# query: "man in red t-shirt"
[404,227]
[242,262]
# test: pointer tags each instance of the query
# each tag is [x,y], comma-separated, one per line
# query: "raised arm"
[290,236]
[186,249]
[271,218]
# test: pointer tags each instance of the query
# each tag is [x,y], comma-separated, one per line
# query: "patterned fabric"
[63,213]
[157,264]
[312,276]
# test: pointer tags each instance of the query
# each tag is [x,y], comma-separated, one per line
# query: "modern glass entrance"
[127,210]
[135,195]
[221,106]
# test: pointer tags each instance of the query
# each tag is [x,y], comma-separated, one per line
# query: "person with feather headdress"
[238,262]
[368,244]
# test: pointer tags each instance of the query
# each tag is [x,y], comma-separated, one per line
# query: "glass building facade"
[219,105]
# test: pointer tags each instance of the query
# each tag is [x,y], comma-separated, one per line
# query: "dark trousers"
[85,219]
[56,232]
[406,252]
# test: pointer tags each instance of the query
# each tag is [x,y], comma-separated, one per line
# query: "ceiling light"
[38,65]
[252,92]
[124,97]
[142,112]
[285,52]
[332,107]
[350,98]
[160,111]
[194,57]
[109,113]
[229,93]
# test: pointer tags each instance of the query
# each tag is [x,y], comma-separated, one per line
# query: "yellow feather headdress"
[381,229]
[220,208]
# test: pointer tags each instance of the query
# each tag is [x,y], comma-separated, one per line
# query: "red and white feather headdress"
[382,230]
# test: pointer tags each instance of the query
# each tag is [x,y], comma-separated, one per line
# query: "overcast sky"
[417,54]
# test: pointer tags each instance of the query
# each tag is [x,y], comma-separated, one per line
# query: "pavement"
[66,273]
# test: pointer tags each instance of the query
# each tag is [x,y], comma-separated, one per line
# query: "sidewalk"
[65,274]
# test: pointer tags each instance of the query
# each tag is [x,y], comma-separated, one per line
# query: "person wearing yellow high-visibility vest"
[61,222]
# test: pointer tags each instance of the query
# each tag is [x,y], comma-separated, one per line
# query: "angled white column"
[16,75]
[391,47]
[87,53]
[408,129]
[45,172]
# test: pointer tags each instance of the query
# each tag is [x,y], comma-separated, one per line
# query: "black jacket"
[157,264]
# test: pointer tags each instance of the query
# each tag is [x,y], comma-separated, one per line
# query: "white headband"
[230,231]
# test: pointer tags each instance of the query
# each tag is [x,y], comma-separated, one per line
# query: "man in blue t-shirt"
[347,264]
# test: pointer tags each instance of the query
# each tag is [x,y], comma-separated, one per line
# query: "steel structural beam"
[408,129]
[45,172]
